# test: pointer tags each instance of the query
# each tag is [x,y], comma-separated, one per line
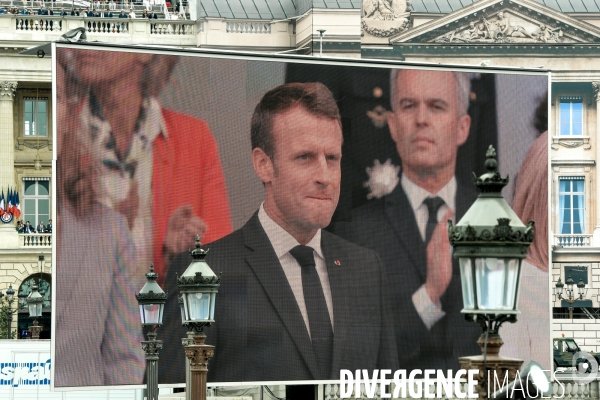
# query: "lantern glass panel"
[182,309]
[198,306]
[212,305]
[496,282]
[559,289]
[466,278]
[570,285]
[161,309]
[150,314]
[35,310]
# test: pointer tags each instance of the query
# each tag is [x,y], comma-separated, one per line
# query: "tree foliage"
[5,316]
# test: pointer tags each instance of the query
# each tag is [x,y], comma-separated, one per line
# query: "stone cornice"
[553,50]
[430,30]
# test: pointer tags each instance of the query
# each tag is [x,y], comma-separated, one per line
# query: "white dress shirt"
[429,312]
[282,243]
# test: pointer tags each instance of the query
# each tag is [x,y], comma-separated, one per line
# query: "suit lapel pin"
[337,262]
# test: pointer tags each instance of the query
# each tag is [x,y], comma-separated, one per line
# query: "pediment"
[502,21]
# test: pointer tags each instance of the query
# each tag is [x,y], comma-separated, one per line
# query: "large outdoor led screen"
[321,190]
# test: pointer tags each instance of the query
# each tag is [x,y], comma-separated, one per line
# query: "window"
[571,205]
[571,116]
[35,116]
[36,201]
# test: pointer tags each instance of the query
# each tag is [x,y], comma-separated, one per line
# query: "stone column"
[8,235]
[596,135]
[7,150]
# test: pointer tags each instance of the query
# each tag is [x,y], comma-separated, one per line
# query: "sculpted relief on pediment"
[384,18]
[505,27]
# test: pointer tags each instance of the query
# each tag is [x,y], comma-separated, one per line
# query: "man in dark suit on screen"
[295,302]
[407,227]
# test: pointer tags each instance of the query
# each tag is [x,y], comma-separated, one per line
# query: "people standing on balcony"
[105,14]
[28,228]
[144,14]
[123,15]
[49,226]
[152,15]
[131,13]
[75,13]
[63,13]
[19,227]
[41,228]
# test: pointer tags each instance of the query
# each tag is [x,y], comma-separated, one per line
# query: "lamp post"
[34,302]
[570,297]
[198,286]
[321,33]
[490,242]
[151,300]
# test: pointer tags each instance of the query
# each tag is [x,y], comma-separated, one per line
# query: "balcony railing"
[573,240]
[139,30]
[35,239]
[233,33]
[248,27]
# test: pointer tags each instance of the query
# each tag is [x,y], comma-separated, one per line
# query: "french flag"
[17,207]
[9,202]
[2,204]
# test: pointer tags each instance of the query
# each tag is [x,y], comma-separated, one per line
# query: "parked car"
[564,350]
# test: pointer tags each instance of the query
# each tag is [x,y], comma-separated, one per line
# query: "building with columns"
[560,35]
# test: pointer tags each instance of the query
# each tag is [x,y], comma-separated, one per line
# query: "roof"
[447,6]
[281,9]
[249,9]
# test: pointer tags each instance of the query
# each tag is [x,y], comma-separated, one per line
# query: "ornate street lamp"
[34,302]
[490,242]
[151,300]
[22,299]
[198,286]
[570,294]
[10,294]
